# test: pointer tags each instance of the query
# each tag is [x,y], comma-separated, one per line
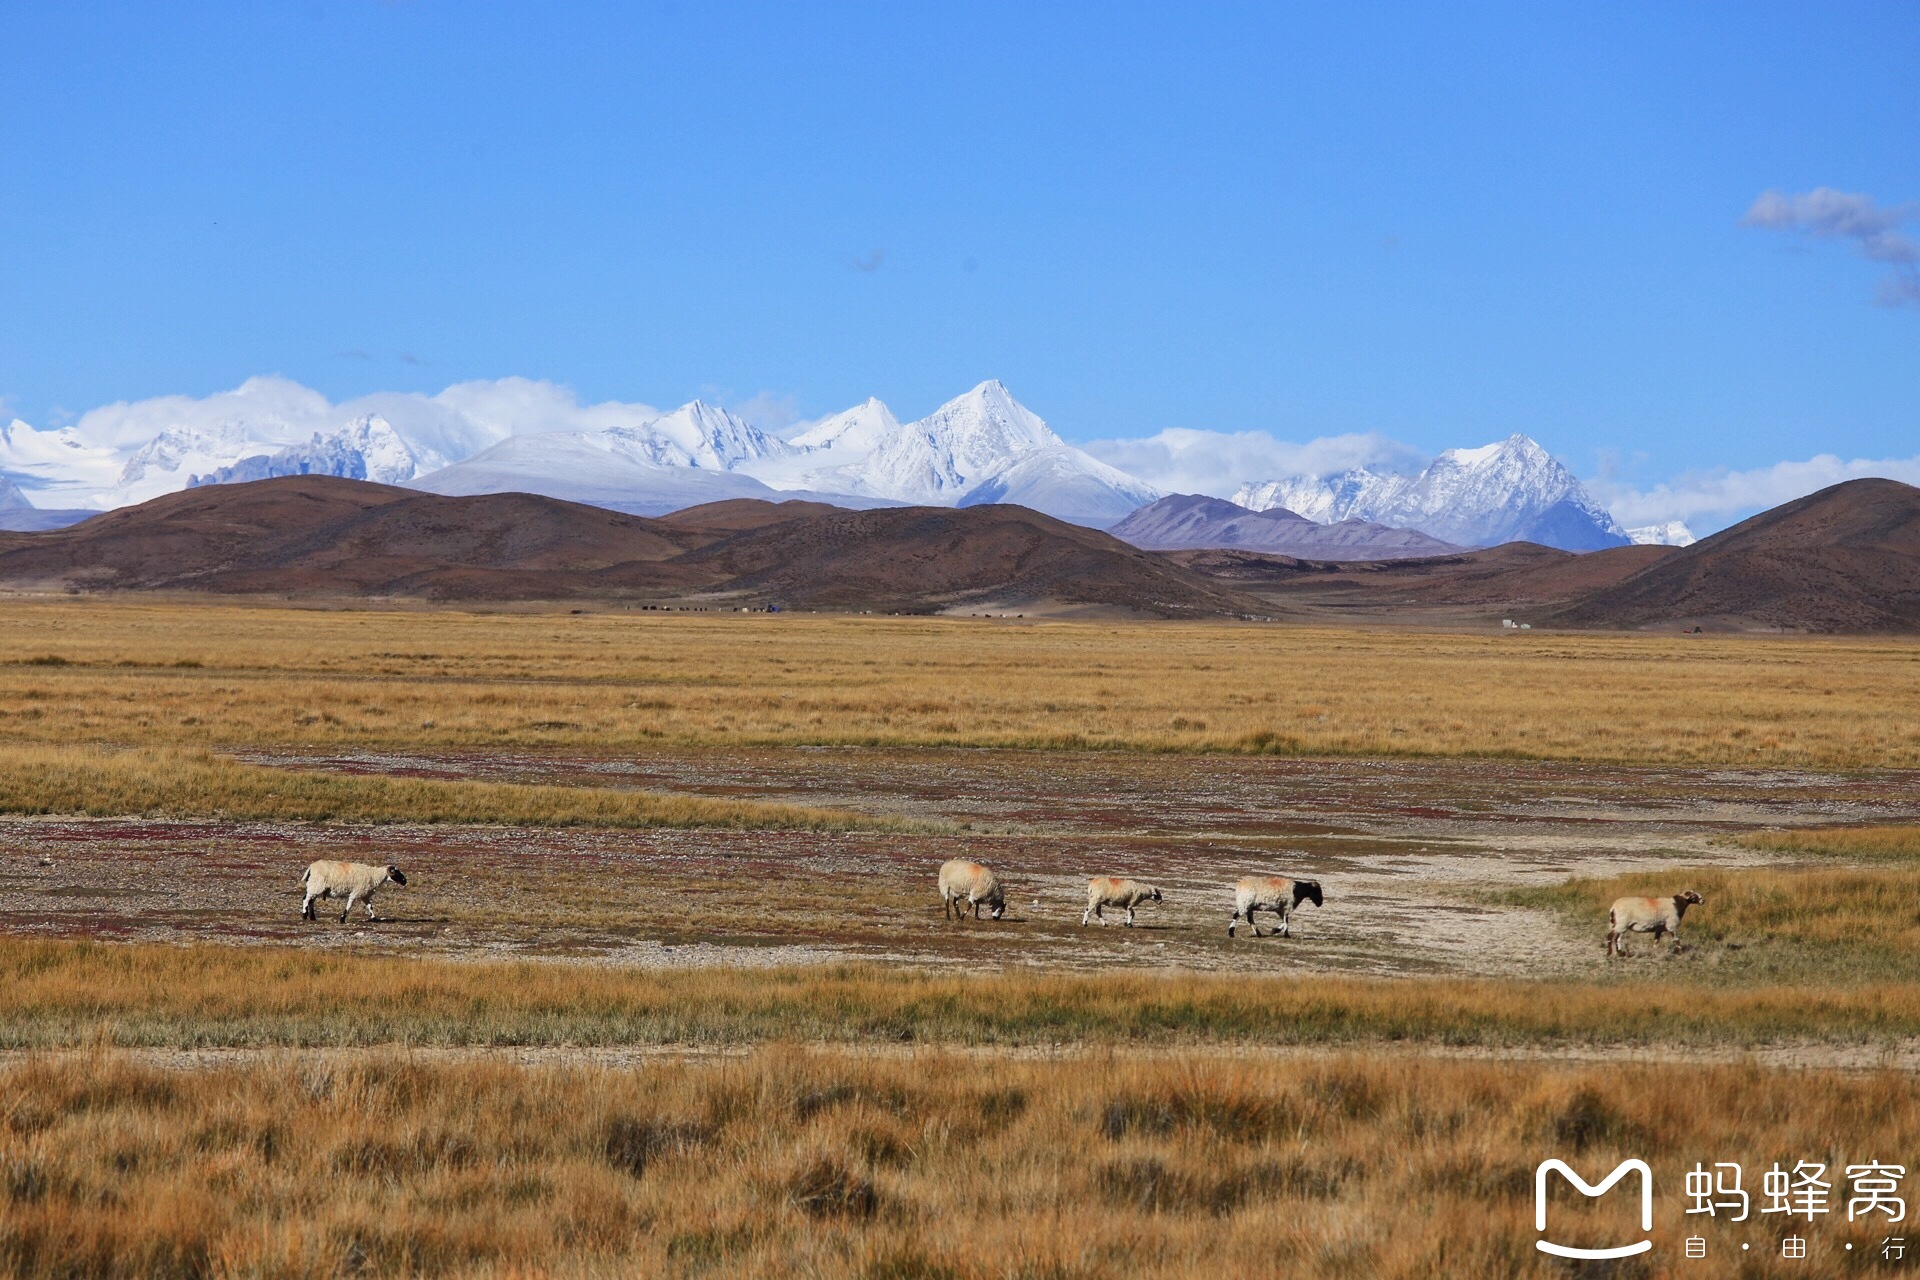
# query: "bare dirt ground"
[1404,848]
[1785,1054]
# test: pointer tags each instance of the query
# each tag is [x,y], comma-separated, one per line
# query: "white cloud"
[1186,460]
[1711,499]
[272,407]
[1872,228]
[531,406]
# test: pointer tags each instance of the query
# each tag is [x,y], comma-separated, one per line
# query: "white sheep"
[963,884]
[1112,891]
[1656,916]
[1270,893]
[354,881]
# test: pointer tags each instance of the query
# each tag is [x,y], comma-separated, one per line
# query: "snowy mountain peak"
[962,443]
[1674,533]
[1516,449]
[855,429]
[708,436]
[983,446]
[1512,490]
[989,417]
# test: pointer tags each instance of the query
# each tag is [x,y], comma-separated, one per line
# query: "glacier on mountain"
[1510,491]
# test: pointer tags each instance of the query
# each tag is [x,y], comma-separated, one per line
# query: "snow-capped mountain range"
[981,447]
[1512,491]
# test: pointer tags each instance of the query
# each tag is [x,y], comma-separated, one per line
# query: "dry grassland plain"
[789,1162]
[228,676]
[373,1113]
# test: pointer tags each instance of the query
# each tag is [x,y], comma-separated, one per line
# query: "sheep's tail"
[305,874]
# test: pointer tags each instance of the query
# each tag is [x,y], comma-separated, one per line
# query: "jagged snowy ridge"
[1509,491]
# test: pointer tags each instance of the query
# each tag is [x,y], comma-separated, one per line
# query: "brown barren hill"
[735,514]
[925,559]
[1510,577]
[1844,559]
[323,535]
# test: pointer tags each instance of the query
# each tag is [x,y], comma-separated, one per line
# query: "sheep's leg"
[306,908]
[367,902]
[1233,923]
[348,909]
[1129,917]
[1286,924]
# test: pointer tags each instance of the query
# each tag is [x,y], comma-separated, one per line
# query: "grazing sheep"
[964,883]
[1112,891]
[1647,915]
[354,881]
[1270,893]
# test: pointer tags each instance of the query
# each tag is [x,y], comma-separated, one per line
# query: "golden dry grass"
[159,782]
[1857,844]
[826,1164]
[66,993]
[221,675]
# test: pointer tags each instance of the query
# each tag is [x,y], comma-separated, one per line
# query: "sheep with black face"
[1271,893]
[354,881]
[1658,916]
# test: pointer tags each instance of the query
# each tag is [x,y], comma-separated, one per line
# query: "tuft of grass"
[157,782]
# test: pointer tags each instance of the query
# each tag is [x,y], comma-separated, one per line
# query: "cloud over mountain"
[1720,496]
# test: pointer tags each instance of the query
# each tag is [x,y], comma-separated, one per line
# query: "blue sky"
[1440,224]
